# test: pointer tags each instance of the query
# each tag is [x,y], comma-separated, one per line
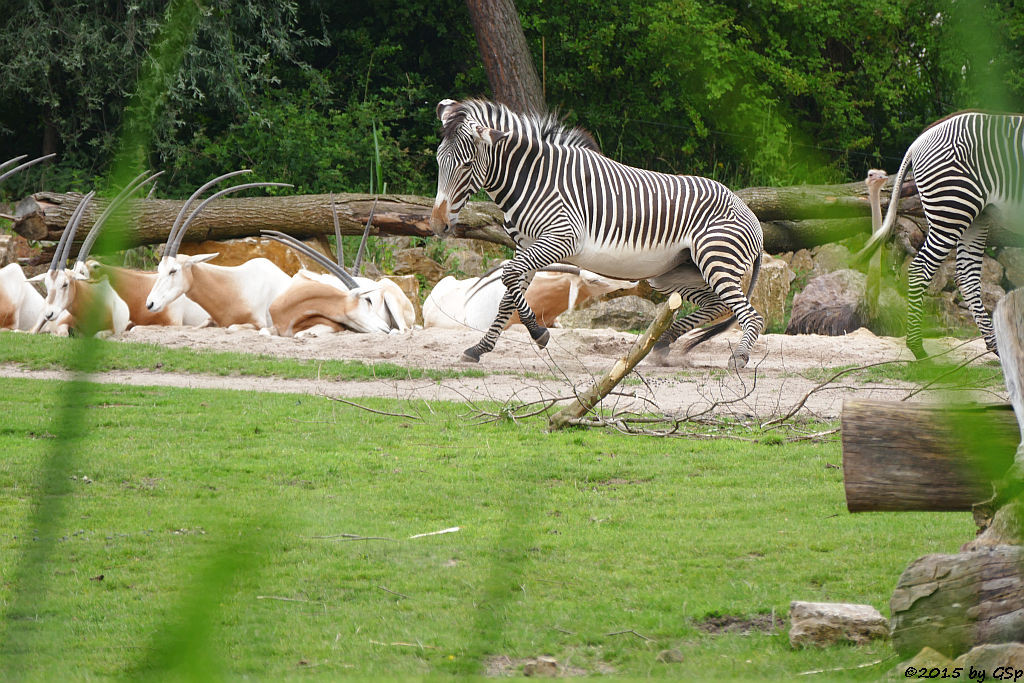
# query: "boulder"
[7,250]
[1012,260]
[830,257]
[799,262]
[415,261]
[910,234]
[830,304]
[771,291]
[622,313]
[944,279]
[991,293]
[992,656]
[821,624]
[992,270]
[926,659]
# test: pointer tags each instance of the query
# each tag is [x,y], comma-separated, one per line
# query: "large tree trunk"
[42,216]
[506,55]
[906,456]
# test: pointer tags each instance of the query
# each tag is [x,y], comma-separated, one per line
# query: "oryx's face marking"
[173,278]
[60,293]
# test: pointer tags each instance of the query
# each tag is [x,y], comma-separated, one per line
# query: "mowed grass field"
[216,534]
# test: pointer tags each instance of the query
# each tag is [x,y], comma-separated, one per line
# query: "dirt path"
[781,372]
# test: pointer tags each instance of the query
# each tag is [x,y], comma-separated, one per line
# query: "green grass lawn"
[186,533]
[46,352]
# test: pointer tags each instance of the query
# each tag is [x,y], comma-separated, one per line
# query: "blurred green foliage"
[763,92]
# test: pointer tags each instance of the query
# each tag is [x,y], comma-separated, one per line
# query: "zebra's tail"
[885,229]
[720,327]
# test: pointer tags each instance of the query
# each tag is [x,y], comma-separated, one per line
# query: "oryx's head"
[462,163]
[174,274]
[59,280]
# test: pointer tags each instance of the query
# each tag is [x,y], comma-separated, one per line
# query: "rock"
[926,659]
[830,304]
[1012,261]
[469,262]
[622,313]
[990,295]
[944,279]
[771,291]
[949,311]
[799,262]
[669,657]
[824,623]
[541,666]
[416,262]
[992,271]
[237,252]
[7,253]
[909,234]
[1008,656]
[830,257]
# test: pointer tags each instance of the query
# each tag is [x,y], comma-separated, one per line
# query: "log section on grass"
[908,456]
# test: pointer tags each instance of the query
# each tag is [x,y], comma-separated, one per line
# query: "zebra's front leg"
[550,249]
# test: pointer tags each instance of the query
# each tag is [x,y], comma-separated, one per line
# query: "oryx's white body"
[134,286]
[474,303]
[21,305]
[94,307]
[231,295]
[316,302]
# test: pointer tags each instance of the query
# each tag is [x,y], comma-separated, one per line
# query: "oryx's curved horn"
[170,249]
[60,254]
[362,243]
[312,253]
[339,250]
[237,188]
[113,206]
[25,165]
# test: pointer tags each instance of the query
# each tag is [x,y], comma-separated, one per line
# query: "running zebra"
[566,202]
[962,164]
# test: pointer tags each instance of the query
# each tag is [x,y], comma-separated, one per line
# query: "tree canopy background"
[759,92]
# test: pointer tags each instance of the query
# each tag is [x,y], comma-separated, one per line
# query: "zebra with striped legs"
[962,164]
[566,202]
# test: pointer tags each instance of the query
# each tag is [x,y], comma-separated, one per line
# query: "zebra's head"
[462,163]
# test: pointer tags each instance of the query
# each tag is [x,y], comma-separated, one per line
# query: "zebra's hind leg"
[937,245]
[970,251]
[710,306]
[725,280]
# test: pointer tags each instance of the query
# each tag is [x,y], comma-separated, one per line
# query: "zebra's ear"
[445,109]
[489,135]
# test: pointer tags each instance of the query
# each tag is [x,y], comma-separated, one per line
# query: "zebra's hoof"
[471,355]
[658,355]
[738,361]
[541,336]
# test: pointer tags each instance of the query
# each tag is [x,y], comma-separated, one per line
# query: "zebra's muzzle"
[441,221]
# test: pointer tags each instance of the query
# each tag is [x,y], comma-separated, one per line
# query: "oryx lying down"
[385,300]
[94,307]
[232,295]
[473,303]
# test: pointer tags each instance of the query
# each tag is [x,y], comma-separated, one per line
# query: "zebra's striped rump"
[965,164]
[566,202]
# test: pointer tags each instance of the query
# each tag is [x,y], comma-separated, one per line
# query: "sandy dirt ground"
[782,369]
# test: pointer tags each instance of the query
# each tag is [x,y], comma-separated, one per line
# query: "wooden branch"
[953,602]
[588,399]
[908,456]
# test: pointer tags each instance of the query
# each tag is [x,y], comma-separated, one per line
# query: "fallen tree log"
[907,456]
[951,603]
[42,216]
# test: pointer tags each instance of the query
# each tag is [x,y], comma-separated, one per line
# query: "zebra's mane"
[548,127]
[988,112]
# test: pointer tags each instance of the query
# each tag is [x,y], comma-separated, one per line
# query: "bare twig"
[370,410]
[388,590]
[630,632]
